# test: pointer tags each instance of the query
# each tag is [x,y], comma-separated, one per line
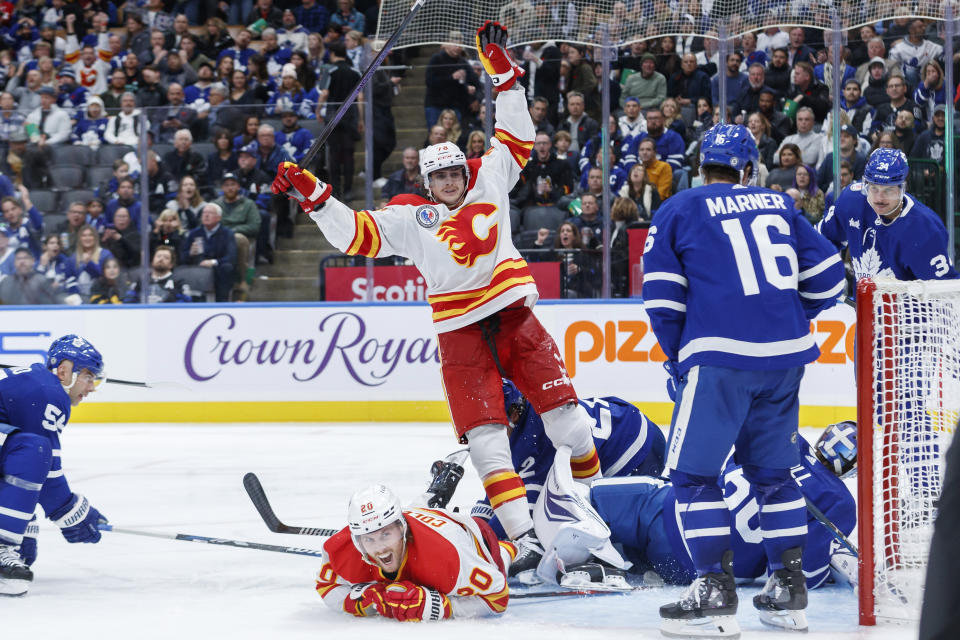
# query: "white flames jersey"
[466,255]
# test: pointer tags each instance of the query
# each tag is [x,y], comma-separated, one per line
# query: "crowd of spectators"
[224,107]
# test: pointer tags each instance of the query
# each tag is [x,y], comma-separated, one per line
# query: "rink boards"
[328,362]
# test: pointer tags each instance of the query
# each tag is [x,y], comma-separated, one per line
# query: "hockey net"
[908,385]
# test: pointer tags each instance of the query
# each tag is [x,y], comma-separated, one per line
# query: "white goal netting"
[915,381]
[455,21]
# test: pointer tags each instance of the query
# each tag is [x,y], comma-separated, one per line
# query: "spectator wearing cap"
[875,85]
[26,286]
[70,96]
[124,128]
[930,143]
[197,93]
[451,82]
[92,125]
[182,160]
[736,81]
[241,216]
[848,153]
[291,35]
[347,18]
[631,123]
[690,83]
[11,120]
[876,48]
[173,70]
[291,95]
[176,115]
[28,95]
[293,138]
[92,64]
[255,185]
[241,51]
[50,123]
[648,86]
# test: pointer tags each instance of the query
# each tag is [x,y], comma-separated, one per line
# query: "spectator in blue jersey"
[56,267]
[292,138]
[23,221]
[888,232]
[347,18]
[270,154]
[89,258]
[640,513]
[930,144]
[241,52]
[126,198]
[290,94]
[627,442]
[6,253]
[92,125]
[35,405]
[931,91]
[70,96]
[274,55]
[212,245]
[736,382]
[312,16]
[736,81]
[163,286]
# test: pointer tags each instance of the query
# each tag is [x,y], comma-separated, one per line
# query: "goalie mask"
[371,510]
[837,448]
[442,156]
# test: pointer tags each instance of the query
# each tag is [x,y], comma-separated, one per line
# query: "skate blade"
[610,583]
[725,627]
[528,578]
[785,620]
[14,588]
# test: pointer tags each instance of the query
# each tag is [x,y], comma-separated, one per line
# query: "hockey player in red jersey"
[413,565]
[480,290]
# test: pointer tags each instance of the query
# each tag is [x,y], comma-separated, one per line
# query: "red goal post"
[908,403]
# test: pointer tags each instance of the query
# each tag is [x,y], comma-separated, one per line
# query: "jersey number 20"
[768,251]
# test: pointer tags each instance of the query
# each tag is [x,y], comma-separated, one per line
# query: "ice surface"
[187,479]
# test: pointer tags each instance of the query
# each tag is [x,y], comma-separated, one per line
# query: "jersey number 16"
[768,251]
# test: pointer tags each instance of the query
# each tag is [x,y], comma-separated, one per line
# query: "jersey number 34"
[768,251]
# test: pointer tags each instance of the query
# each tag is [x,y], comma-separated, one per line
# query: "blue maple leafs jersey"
[33,400]
[731,276]
[627,442]
[912,247]
[641,514]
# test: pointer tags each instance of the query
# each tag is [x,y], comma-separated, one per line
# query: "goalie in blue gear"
[35,404]
[641,515]
[627,442]
[887,231]
[733,273]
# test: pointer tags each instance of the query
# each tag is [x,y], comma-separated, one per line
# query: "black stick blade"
[255,490]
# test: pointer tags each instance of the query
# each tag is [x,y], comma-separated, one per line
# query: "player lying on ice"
[35,406]
[413,564]
[480,290]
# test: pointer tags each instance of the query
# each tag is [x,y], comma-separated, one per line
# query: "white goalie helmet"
[441,156]
[372,509]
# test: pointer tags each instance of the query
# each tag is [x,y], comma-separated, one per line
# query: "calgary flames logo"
[460,232]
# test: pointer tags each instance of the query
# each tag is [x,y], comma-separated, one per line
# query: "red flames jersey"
[445,552]
[466,255]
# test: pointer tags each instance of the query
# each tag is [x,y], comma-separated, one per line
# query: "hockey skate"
[707,610]
[15,575]
[783,599]
[593,576]
[524,566]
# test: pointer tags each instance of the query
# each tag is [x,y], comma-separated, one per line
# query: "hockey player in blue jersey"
[627,442]
[887,231]
[733,274]
[35,405]
[641,514]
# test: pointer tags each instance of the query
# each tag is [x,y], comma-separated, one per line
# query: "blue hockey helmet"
[77,350]
[837,448]
[730,145]
[513,400]
[886,166]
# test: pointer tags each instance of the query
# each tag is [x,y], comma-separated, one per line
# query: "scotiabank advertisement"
[351,355]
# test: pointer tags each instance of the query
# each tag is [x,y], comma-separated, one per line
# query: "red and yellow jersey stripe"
[519,149]
[503,487]
[497,601]
[510,273]
[585,466]
[366,237]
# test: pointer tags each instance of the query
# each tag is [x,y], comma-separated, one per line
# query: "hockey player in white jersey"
[480,290]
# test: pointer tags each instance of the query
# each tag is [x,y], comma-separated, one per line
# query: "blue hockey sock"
[704,519]
[783,511]
[25,459]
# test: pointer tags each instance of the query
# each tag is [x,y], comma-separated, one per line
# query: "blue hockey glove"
[672,368]
[28,548]
[78,520]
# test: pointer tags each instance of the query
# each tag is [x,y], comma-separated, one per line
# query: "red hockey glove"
[366,599]
[300,184]
[406,601]
[492,47]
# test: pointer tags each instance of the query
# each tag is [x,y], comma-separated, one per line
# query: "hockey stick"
[225,542]
[837,534]
[566,593]
[259,498]
[132,383]
[321,139]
